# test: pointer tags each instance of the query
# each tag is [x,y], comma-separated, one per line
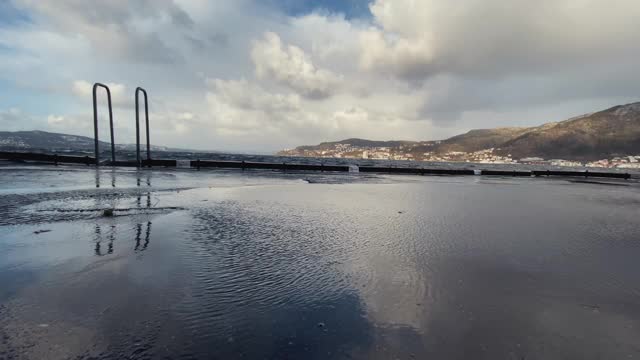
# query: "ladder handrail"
[95,122]
[146,114]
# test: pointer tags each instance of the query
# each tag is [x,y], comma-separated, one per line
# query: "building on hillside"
[533,161]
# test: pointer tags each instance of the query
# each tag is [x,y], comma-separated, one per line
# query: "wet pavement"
[270,265]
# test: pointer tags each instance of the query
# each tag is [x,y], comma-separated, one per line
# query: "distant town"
[486,156]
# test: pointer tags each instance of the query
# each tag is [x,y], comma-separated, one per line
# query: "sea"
[122,263]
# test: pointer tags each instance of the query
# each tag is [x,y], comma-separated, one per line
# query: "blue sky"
[262,75]
[349,8]
[10,15]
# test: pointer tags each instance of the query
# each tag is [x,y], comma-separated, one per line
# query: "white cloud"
[241,107]
[249,96]
[53,120]
[246,110]
[291,66]
[119,93]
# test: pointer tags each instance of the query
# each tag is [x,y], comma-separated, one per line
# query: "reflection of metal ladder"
[95,125]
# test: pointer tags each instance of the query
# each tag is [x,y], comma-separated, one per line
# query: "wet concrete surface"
[255,265]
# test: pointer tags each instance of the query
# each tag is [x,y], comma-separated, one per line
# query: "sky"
[260,76]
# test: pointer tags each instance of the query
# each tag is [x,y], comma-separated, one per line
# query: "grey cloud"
[196,44]
[150,49]
[180,17]
[65,13]
[504,55]
[14,119]
[216,40]
[495,38]
[219,38]
[451,95]
[111,26]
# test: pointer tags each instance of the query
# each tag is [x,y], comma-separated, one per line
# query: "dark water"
[265,265]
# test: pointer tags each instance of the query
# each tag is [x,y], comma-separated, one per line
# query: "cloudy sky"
[258,76]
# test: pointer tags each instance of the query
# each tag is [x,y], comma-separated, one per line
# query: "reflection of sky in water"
[251,265]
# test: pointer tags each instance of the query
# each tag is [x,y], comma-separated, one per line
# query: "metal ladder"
[95,125]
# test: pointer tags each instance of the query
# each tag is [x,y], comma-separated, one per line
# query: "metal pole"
[146,116]
[137,131]
[113,143]
[95,126]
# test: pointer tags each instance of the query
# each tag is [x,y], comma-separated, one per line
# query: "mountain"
[474,140]
[46,140]
[603,134]
[43,140]
[357,142]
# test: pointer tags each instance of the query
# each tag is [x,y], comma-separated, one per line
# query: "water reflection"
[284,301]
[142,177]
[98,174]
[147,177]
[141,241]
[147,237]
[111,236]
[147,203]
